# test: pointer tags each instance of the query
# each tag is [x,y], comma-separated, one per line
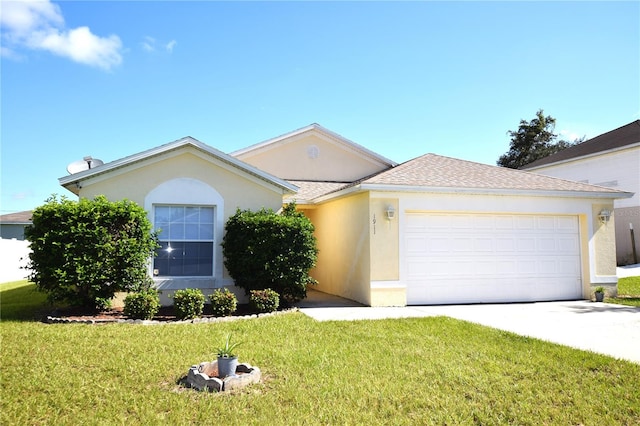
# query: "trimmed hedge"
[223,303]
[188,303]
[267,250]
[265,300]
[142,305]
[83,252]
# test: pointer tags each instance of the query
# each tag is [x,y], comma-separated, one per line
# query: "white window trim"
[188,240]
[189,192]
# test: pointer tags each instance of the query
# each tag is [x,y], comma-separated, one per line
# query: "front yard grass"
[628,292]
[402,371]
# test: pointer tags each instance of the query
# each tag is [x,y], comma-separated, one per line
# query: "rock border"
[203,377]
[63,320]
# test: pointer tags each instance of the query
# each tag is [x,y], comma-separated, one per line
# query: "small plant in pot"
[227,359]
[599,293]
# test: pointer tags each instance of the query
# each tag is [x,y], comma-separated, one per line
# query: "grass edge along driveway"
[404,371]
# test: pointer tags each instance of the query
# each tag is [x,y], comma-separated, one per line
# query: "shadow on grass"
[22,302]
[624,300]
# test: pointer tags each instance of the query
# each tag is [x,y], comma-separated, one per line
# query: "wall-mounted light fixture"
[604,216]
[391,212]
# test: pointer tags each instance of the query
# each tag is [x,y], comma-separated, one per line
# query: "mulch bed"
[165,314]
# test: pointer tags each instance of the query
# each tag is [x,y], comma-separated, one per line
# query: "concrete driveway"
[599,327]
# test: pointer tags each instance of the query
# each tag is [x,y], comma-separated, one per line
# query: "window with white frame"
[186,241]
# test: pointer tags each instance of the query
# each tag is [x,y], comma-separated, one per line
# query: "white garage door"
[479,258]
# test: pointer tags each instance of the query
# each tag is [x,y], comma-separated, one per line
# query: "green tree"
[533,140]
[267,250]
[83,252]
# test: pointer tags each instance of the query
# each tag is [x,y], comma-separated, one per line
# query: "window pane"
[192,215]
[184,259]
[163,227]
[206,232]
[191,231]
[184,223]
[176,231]
[206,214]
[162,214]
[177,214]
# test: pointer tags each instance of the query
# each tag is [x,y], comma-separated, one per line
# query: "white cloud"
[39,25]
[149,44]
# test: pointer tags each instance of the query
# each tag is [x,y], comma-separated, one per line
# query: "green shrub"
[266,250]
[83,252]
[142,305]
[266,300]
[188,303]
[223,303]
[102,303]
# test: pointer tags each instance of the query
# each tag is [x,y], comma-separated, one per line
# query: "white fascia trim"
[474,191]
[583,157]
[172,146]
[497,191]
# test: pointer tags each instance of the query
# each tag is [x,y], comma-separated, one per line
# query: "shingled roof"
[437,173]
[18,218]
[618,138]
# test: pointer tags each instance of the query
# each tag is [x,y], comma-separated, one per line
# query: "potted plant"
[599,292]
[227,359]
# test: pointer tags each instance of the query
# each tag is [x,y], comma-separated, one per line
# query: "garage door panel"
[504,222]
[567,224]
[416,244]
[525,222]
[546,223]
[568,244]
[474,258]
[525,245]
[546,245]
[483,245]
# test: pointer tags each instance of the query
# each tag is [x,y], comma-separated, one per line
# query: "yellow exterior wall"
[385,254]
[342,228]
[312,157]
[385,261]
[135,183]
[388,296]
[605,241]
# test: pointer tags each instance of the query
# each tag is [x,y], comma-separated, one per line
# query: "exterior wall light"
[391,213]
[604,216]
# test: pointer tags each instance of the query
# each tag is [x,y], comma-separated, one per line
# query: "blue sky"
[110,79]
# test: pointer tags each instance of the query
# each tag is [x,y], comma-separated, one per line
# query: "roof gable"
[70,181]
[314,153]
[621,137]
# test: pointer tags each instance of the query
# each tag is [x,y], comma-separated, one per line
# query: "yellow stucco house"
[433,230]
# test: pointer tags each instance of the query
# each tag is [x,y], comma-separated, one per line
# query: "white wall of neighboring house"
[619,170]
[14,255]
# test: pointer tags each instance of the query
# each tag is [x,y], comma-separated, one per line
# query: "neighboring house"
[612,160]
[429,231]
[12,225]
[14,249]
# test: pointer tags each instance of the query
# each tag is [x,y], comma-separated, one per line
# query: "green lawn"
[406,371]
[628,292]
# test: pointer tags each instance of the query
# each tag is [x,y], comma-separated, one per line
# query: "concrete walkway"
[599,327]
